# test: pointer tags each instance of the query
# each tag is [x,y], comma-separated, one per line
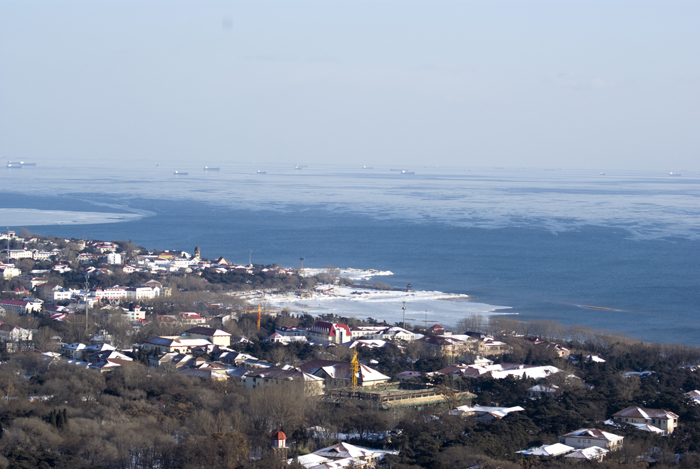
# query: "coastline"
[529,269]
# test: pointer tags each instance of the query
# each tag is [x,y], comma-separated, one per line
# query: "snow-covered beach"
[421,306]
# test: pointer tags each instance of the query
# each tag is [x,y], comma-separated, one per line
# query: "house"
[539,390]
[498,371]
[557,449]
[114,258]
[409,375]
[192,318]
[173,344]
[342,455]
[486,413]
[694,396]
[10,333]
[449,345]
[384,333]
[313,385]
[283,339]
[111,293]
[330,332]
[108,360]
[134,313]
[171,360]
[593,453]
[74,351]
[206,373]
[9,271]
[21,306]
[662,419]
[215,336]
[591,437]
[18,254]
[140,293]
[337,374]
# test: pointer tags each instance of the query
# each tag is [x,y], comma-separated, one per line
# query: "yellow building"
[661,419]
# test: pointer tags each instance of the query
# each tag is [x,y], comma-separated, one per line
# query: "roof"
[331,327]
[346,450]
[279,435]
[293,374]
[642,413]
[341,370]
[556,449]
[593,452]
[209,331]
[14,302]
[593,434]
[166,341]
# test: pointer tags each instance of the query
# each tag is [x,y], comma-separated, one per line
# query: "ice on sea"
[32,217]
[647,204]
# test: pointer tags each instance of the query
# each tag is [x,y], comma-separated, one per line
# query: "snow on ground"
[347,272]
[421,306]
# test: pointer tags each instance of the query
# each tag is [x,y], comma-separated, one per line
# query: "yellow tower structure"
[354,369]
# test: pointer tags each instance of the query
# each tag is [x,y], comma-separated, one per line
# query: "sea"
[613,250]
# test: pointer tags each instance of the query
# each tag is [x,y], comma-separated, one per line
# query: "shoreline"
[422,307]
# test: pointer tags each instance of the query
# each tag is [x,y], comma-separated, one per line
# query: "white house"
[114,258]
[9,271]
[588,437]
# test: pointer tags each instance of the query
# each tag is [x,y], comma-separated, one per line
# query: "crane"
[354,370]
[260,311]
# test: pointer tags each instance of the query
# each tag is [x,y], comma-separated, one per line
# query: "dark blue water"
[655,284]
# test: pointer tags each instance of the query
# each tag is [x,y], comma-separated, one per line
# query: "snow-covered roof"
[593,434]
[556,449]
[642,413]
[593,452]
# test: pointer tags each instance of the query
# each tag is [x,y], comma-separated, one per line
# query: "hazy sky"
[593,84]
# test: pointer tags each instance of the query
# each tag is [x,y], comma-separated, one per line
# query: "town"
[115,356]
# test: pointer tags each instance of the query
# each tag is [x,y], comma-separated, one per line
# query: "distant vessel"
[157,164]
[602,174]
[403,171]
[674,174]
[179,173]
[13,165]
[207,168]
[27,164]
[262,172]
[367,167]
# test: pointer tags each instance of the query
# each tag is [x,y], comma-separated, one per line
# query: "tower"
[197,252]
[279,447]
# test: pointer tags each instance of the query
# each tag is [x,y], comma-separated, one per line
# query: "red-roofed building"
[330,332]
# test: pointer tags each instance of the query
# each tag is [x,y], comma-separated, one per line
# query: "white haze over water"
[648,205]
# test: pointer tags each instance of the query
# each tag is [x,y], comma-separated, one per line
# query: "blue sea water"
[545,244]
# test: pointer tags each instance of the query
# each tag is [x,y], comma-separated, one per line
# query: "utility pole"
[302,263]
[250,257]
[87,308]
[404,314]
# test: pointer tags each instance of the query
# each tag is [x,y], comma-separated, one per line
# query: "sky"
[574,84]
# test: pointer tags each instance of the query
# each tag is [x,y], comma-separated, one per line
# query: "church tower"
[197,252]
